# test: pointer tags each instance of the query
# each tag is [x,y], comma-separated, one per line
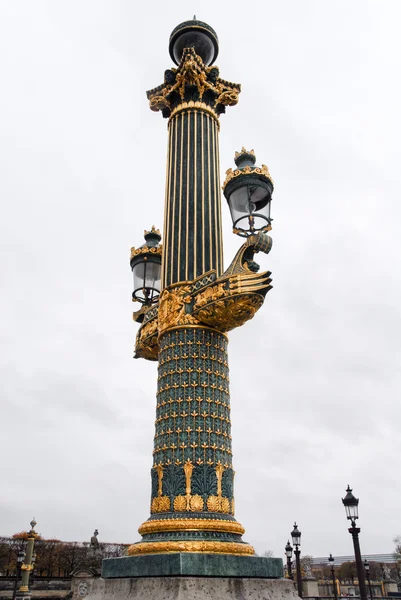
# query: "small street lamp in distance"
[288,553]
[333,575]
[20,560]
[296,541]
[351,510]
[367,571]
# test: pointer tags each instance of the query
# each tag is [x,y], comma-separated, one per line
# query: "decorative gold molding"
[231,312]
[25,567]
[146,345]
[192,73]
[195,106]
[172,307]
[263,170]
[160,504]
[188,503]
[159,469]
[194,326]
[146,250]
[191,546]
[191,525]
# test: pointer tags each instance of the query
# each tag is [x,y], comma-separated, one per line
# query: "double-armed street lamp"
[189,302]
[367,571]
[351,510]
[333,575]
[20,560]
[288,553]
[296,541]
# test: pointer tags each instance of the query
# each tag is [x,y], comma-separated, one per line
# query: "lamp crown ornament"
[244,157]
[152,233]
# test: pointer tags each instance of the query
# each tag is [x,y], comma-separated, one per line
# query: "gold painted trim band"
[191,105]
[189,326]
[207,547]
[191,525]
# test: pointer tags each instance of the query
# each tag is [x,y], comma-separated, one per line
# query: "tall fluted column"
[192,229]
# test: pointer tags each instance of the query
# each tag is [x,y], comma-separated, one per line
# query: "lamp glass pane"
[249,201]
[147,276]
[152,277]
[139,276]
[351,511]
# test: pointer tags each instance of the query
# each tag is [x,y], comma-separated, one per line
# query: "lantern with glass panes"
[288,553]
[146,268]
[288,550]
[296,536]
[248,191]
[351,506]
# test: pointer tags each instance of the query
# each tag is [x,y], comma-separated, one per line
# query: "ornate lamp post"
[288,553]
[27,566]
[20,560]
[185,318]
[351,510]
[296,542]
[367,572]
[333,575]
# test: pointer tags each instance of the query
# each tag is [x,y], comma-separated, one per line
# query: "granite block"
[192,588]
[192,564]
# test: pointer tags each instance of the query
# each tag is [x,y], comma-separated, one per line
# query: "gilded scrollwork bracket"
[223,303]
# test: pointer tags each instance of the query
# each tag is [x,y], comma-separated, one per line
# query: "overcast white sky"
[315,377]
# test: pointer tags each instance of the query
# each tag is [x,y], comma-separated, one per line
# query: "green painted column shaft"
[192,228]
[27,565]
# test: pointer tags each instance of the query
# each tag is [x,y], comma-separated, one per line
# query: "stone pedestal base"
[310,587]
[192,564]
[192,588]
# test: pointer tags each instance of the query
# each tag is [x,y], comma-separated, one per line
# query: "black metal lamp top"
[366,565]
[296,536]
[351,505]
[194,34]
[331,560]
[288,550]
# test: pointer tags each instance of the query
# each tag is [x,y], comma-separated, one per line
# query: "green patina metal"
[201,565]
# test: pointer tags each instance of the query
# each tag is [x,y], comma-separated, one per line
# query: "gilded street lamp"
[333,574]
[27,566]
[296,542]
[184,319]
[288,553]
[20,560]
[351,510]
[367,571]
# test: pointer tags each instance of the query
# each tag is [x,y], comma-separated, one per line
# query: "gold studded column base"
[169,525]
[191,546]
